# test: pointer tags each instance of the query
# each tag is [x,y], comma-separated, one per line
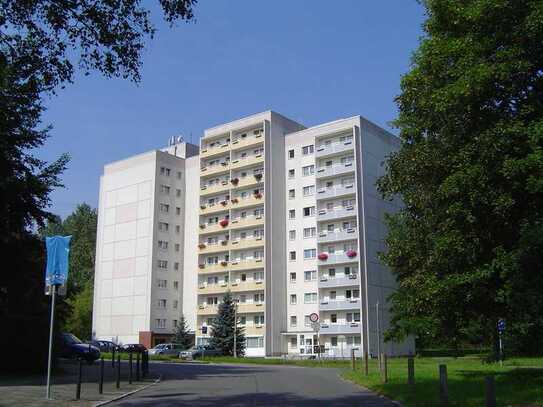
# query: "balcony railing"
[339,305]
[234,286]
[333,148]
[347,212]
[214,189]
[351,280]
[215,169]
[246,264]
[246,243]
[337,259]
[247,161]
[242,308]
[334,329]
[207,152]
[246,142]
[340,190]
[218,207]
[248,181]
[335,170]
[251,200]
[250,221]
[337,236]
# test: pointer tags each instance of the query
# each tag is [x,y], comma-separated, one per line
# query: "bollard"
[443,388]
[490,392]
[119,371]
[366,369]
[385,368]
[146,363]
[130,368]
[113,357]
[101,382]
[410,371]
[352,359]
[138,366]
[78,387]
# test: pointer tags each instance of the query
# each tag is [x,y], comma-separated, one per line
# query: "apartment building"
[286,218]
[139,277]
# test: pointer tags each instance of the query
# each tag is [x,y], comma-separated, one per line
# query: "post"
[385,368]
[138,366]
[113,357]
[410,371]
[235,328]
[130,368]
[144,365]
[78,387]
[366,370]
[443,388]
[101,383]
[53,298]
[501,349]
[352,359]
[119,370]
[490,392]
[378,336]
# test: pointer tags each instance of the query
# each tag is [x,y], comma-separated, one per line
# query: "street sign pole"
[501,350]
[53,298]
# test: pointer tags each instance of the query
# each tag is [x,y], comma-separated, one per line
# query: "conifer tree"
[222,329]
[182,334]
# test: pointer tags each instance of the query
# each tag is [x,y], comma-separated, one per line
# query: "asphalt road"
[192,384]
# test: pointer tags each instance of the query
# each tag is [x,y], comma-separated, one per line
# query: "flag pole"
[48,392]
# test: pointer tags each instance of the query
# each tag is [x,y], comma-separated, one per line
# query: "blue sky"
[313,61]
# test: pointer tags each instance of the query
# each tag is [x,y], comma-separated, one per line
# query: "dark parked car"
[199,351]
[104,346]
[133,348]
[166,349]
[72,347]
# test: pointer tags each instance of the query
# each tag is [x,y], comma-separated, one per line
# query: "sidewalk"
[30,391]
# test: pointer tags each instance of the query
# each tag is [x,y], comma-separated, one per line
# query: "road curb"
[122,396]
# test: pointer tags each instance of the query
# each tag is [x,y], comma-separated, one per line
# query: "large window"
[309,232]
[293,321]
[309,190]
[310,254]
[162,283]
[293,299]
[310,298]
[160,323]
[258,319]
[308,170]
[310,275]
[161,303]
[255,342]
[309,211]
[308,149]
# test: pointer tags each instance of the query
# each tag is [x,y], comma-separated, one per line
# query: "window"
[176,266]
[257,342]
[353,316]
[243,321]
[177,193]
[292,235]
[309,190]
[212,300]
[333,318]
[291,173]
[213,280]
[347,270]
[162,283]
[310,298]
[244,277]
[308,149]
[258,298]
[292,256]
[347,161]
[163,244]
[352,294]
[165,189]
[331,272]
[174,323]
[179,175]
[176,285]
[332,295]
[258,276]
[309,232]
[161,303]
[353,340]
[293,277]
[307,322]
[310,254]
[293,322]
[293,299]
[292,214]
[293,342]
[309,211]
[162,264]
[177,247]
[163,226]
[308,170]
[330,227]
[310,275]
[165,171]
[178,211]
[160,323]
[175,304]
[177,229]
[258,319]
[290,153]
[333,340]
[291,194]
[165,208]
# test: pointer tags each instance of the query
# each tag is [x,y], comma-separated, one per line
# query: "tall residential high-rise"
[286,218]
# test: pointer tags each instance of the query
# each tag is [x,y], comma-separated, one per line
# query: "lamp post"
[235,327]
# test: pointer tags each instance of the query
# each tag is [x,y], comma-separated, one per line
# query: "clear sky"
[313,61]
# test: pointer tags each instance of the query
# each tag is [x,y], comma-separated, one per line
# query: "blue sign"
[58,251]
[501,325]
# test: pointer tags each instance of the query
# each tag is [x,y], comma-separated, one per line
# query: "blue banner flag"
[58,250]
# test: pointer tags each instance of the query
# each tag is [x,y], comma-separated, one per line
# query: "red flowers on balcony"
[235,200]
[202,245]
[323,256]
[351,253]
[223,203]
[234,181]
[258,195]
[224,223]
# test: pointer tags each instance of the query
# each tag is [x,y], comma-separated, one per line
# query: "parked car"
[199,351]
[71,347]
[133,348]
[166,349]
[104,346]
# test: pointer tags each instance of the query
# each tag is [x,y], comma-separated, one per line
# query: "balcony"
[335,170]
[207,310]
[246,265]
[207,152]
[246,243]
[337,259]
[248,181]
[339,305]
[337,236]
[339,329]
[212,268]
[255,330]
[208,229]
[247,142]
[215,169]
[214,189]
[252,221]
[347,212]
[219,247]
[214,208]
[333,192]
[212,288]
[351,280]
[252,200]
[240,286]
[247,161]
[242,309]
[333,149]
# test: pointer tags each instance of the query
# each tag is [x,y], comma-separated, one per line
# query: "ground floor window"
[257,342]
[353,340]
[200,341]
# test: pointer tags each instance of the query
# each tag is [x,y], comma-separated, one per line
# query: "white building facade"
[286,218]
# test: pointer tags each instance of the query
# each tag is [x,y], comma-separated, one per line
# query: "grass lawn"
[518,382]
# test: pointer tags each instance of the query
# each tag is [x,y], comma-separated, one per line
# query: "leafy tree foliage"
[222,329]
[467,246]
[79,317]
[182,335]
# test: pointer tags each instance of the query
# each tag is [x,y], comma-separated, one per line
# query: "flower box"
[202,206]
[202,245]
[223,203]
[351,253]
[223,223]
[224,242]
[258,195]
[234,181]
[202,226]
[201,266]
[224,263]
[323,256]
[235,200]
[258,177]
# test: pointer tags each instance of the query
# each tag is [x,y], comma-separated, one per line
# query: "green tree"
[79,316]
[182,335]
[466,248]
[222,329]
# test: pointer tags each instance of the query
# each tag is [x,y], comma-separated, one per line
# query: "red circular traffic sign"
[314,317]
